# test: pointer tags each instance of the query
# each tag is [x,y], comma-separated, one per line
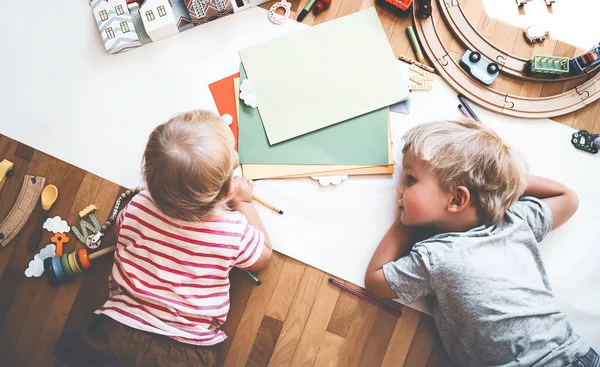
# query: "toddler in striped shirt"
[177,242]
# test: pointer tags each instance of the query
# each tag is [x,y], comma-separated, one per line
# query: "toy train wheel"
[9,173]
[474,56]
[493,68]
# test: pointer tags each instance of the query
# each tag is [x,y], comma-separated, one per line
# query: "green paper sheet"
[322,75]
[362,140]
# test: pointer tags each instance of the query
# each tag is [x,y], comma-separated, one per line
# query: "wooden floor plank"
[422,343]
[379,338]
[285,289]
[297,317]
[239,350]
[329,354]
[402,338]
[316,325]
[264,344]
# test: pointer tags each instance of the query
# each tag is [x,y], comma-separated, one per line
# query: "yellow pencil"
[272,207]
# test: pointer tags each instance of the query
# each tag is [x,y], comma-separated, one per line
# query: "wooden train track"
[28,198]
[471,39]
[491,99]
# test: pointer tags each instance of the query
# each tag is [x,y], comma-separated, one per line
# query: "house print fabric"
[115,25]
[203,11]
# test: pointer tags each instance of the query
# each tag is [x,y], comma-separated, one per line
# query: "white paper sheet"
[68,97]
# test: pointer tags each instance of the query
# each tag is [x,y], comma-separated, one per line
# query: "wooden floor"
[295,317]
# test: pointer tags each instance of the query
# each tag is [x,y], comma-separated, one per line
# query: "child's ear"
[461,197]
[231,191]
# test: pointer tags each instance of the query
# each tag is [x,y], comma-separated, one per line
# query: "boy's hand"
[243,191]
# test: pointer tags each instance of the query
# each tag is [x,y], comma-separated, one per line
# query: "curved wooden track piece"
[493,100]
[470,38]
[21,211]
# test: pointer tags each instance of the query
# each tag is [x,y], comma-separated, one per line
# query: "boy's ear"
[461,198]
[230,192]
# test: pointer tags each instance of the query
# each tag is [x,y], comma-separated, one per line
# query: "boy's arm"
[561,200]
[242,202]
[248,210]
[396,243]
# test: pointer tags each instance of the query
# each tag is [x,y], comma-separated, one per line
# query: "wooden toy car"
[541,64]
[5,171]
[400,4]
[479,69]
[585,61]
[424,8]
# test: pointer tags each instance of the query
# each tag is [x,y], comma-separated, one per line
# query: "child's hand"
[243,191]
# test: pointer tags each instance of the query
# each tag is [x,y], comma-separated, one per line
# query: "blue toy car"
[479,69]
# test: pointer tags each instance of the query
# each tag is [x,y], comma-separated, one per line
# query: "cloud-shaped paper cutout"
[56,225]
[227,118]
[248,94]
[36,266]
[330,180]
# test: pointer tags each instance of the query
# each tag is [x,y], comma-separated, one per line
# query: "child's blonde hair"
[466,153]
[188,165]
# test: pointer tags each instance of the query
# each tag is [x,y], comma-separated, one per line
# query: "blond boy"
[476,220]
[177,241]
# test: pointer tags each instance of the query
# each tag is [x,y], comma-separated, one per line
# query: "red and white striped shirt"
[171,277]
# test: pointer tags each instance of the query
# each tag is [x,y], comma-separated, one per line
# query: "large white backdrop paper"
[63,94]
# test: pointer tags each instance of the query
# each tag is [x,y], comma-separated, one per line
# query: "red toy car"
[400,4]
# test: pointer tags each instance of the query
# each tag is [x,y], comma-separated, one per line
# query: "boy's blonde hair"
[188,165]
[466,153]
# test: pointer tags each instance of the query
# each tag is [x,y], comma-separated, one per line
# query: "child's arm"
[242,202]
[396,243]
[561,200]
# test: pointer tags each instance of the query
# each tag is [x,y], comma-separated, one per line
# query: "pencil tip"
[281,212]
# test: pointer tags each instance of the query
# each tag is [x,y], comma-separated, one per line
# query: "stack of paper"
[323,95]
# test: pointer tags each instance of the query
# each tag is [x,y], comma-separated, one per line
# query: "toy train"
[555,65]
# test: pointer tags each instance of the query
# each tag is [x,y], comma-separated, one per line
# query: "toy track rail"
[26,202]
[470,38]
[493,100]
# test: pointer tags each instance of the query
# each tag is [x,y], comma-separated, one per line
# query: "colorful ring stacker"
[48,269]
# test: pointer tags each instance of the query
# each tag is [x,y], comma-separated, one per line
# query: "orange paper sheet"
[223,93]
[265,171]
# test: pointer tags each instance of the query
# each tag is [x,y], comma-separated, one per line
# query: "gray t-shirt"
[489,292]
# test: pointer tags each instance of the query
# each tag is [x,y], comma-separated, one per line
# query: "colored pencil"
[270,206]
[415,62]
[253,277]
[468,108]
[463,111]
[412,37]
[365,297]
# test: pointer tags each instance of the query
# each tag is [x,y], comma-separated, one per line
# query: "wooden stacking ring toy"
[73,263]
[50,272]
[82,255]
[58,270]
[66,267]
